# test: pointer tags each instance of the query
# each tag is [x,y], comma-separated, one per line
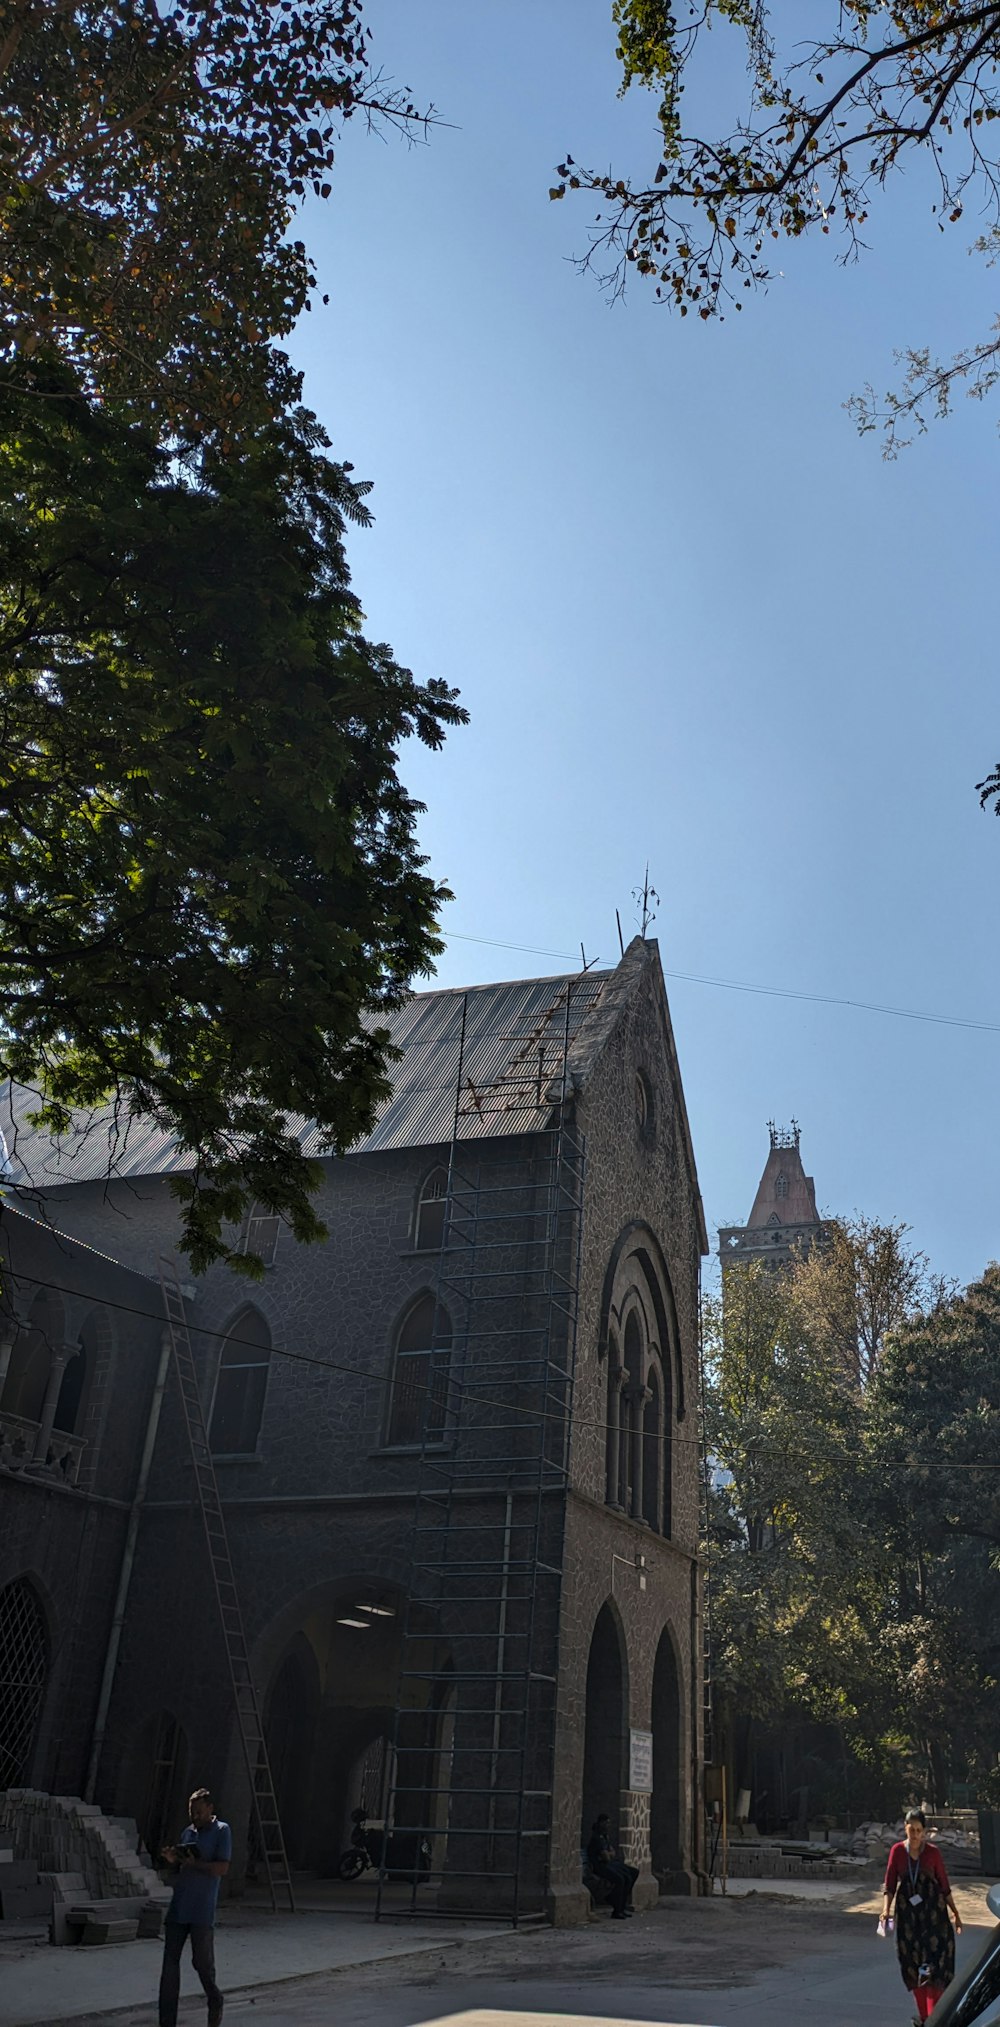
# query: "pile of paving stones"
[63,1860]
[775,1860]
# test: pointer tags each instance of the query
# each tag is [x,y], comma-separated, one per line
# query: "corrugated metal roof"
[507,1041]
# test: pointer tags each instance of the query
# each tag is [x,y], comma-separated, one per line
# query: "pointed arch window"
[67,1414]
[241,1386]
[431,1205]
[420,1374]
[261,1234]
[27,1375]
[781,1186]
[35,1346]
[652,1462]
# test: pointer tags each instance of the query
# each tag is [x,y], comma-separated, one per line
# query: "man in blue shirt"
[197,1863]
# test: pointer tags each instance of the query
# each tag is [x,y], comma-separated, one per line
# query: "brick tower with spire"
[784,1219]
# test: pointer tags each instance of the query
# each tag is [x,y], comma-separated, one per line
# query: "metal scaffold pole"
[470,1775]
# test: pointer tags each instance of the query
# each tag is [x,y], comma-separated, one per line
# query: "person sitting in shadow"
[606,1862]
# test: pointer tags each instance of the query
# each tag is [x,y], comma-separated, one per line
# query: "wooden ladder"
[265,1807]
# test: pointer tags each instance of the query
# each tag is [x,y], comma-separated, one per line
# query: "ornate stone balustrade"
[20,1444]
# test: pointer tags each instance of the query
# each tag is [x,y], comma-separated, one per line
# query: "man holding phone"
[196,1862]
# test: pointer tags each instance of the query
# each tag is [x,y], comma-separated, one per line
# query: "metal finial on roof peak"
[784,1136]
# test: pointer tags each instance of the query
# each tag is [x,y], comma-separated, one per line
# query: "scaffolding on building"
[469,1778]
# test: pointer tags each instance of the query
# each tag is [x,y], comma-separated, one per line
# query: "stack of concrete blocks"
[22,1897]
[768,1861]
[97,1889]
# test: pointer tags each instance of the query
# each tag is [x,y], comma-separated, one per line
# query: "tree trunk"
[938,1758]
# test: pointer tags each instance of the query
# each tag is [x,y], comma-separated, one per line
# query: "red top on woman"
[929,1858]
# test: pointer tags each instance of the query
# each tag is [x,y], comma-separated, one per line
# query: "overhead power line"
[470,1393]
[899,1013]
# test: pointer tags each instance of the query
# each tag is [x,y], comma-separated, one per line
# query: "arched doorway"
[290,1714]
[605,1745]
[667,1811]
[329,1666]
[24,1667]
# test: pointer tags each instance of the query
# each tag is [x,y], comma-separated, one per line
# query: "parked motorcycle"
[973,2000]
[357,1859]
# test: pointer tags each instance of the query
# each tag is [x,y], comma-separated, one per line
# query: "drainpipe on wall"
[125,1574]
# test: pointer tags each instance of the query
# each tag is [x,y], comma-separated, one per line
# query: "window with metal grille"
[430,1212]
[24,1665]
[422,1358]
[241,1386]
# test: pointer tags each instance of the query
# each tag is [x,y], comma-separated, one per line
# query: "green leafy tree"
[937,1411]
[836,107]
[845,1606]
[151,161]
[852,1292]
[210,887]
[781,1430]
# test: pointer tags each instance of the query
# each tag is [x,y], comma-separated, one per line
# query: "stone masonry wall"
[64,1539]
[638,1173]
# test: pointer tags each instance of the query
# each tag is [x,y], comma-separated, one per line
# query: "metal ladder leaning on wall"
[265,1807]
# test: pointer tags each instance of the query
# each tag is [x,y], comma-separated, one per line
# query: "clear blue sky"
[695,619]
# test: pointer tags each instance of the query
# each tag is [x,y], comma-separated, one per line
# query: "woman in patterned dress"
[916,1880]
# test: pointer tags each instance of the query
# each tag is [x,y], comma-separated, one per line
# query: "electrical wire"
[900,1013]
[469,1393]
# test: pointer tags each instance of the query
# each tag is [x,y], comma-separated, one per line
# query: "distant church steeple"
[784,1218]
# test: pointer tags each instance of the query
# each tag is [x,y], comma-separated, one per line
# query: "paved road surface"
[745,1962]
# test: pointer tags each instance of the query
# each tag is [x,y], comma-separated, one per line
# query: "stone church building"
[456,1446]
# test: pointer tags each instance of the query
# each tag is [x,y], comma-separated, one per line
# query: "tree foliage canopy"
[210,885]
[829,118]
[209,881]
[853,1414]
[150,162]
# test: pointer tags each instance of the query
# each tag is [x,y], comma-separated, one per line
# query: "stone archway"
[328,1664]
[605,1741]
[667,1807]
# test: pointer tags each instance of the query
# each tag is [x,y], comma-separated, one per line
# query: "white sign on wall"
[640,1762]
